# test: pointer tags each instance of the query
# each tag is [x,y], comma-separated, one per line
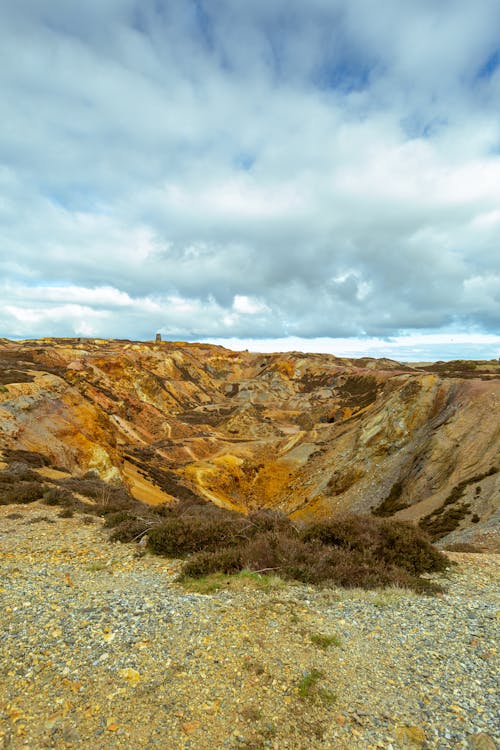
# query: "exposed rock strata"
[310,434]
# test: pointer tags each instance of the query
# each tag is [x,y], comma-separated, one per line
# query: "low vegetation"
[392,503]
[214,543]
[453,510]
[352,551]
[309,687]
[324,640]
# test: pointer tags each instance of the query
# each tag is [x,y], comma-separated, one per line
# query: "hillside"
[310,434]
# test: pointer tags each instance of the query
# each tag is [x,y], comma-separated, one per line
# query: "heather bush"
[116,518]
[179,535]
[24,492]
[18,474]
[227,560]
[130,530]
[66,513]
[347,532]
[405,546]
[463,547]
[107,498]
[29,458]
[349,551]
[269,520]
[59,496]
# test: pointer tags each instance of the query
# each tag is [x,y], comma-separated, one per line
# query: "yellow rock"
[190,726]
[15,714]
[130,675]
[412,737]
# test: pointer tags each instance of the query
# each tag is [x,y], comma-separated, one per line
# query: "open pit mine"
[312,435]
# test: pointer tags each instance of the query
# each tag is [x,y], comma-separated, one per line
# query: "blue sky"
[280,174]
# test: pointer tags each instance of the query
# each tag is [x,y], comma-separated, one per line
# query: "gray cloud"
[249,170]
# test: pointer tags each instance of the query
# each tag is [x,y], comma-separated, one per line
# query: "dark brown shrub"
[59,496]
[347,532]
[24,492]
[30,458]
[443,521]
[269,520]
[17,474]
[349,551]
[129,531]
[114,519]
[179,535]
[462,547]
[227,560]
[109,498]
[66,513]
[392,503]
[404,546]
[270,551]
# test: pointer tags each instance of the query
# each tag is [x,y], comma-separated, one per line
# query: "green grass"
[96,567]
[324,641]
[309,688]
[214,582]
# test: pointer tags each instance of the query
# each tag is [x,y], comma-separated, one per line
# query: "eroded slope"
[310,434]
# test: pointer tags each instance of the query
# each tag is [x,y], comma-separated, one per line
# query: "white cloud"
[407,348]
[265,169]
[248,306]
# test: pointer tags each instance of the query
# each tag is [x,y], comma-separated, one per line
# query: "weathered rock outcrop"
[310,434]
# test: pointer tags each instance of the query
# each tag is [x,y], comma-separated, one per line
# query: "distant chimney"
[158,338]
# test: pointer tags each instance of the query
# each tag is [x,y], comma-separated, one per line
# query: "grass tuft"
[324,641]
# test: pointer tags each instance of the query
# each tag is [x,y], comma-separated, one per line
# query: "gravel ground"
[101,649]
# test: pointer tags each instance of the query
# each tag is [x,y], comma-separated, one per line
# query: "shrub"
[116,518]
[407,547]
[31,458]
[227,560]
[347,532]
[269,520]
[462,547]
[392,503]
[179,535]
[129,531]
[351,551]
[16,475]
[24,492]
[58,496]
[108,498]
[442,522]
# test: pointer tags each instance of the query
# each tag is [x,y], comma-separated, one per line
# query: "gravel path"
[101,649]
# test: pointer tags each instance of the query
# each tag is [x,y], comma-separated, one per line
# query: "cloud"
[249,170]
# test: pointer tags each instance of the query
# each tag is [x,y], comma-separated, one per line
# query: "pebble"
[103,650]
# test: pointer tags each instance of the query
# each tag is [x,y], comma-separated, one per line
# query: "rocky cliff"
[310,434]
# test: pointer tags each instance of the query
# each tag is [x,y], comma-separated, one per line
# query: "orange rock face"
[308,434]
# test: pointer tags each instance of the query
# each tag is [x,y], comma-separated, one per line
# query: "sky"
[271,175]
